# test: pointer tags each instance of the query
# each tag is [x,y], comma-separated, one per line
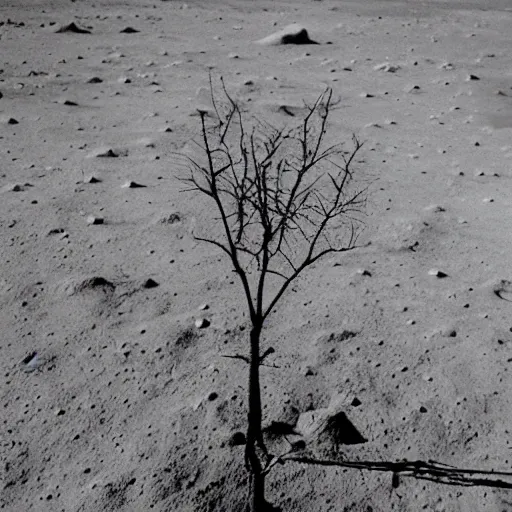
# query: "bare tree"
[285,198]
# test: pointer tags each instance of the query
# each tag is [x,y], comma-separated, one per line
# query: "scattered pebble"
[132,184]
[105,153]
[129,30]
[356,402]
[387,67]
[435,208]
[150,283]
[68,102]
[93,220]
[9,120]
[72,27]
[202,323]
[17,187]
[437,273]
[91,179]
[237,439]
[292,34]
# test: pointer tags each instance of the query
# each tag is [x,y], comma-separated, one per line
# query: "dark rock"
[150,283]
[292,34]
[237,439]
[356,402]
[72,27]
[129,30]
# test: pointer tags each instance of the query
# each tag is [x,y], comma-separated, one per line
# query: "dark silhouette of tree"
[285,198]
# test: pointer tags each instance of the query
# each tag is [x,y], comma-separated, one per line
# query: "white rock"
[202,323]
[92,220]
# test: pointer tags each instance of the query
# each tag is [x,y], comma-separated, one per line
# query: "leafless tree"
[285,198]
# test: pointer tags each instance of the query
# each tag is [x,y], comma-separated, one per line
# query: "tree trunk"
[255,451]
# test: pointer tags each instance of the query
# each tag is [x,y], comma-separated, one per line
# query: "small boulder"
[202,323]
[93,220]
[129,30]
[73,28]
[292,34]
[237,439]
[132,184]
[150,283]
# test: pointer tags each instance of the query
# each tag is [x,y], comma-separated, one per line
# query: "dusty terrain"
[126,405]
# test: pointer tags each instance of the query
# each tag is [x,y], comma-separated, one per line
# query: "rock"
[237,439]
[167,218]
[73,28]
[423,409]
[472,77]
[129,30]
[8,120]
[17,187]
[150,283]
[56,231]
[31,362]
[503,290]
[92,220]
[386,66]
[213,396]
[132,184]
[356,402]
[91,179]
[363,272]
[95,80]
[330,426]
[69,103]
[292,34]
[105,153]
[202,323]
[59,412]
[435,208]
[437,273]
[412,88]
[203,307]
[309,371]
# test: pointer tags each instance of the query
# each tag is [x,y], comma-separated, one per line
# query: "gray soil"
[110,397]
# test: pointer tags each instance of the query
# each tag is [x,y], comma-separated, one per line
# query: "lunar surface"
[114,319]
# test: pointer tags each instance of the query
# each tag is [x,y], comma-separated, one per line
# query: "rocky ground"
[112,397]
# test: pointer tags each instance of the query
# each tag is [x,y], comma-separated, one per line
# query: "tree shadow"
[420,470]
